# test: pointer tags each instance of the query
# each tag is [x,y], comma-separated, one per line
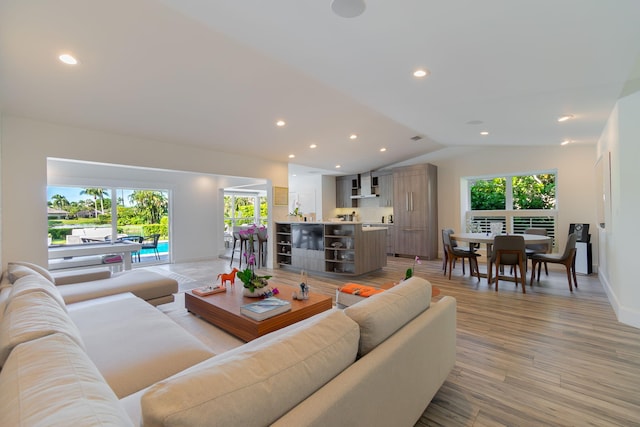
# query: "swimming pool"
[163,248]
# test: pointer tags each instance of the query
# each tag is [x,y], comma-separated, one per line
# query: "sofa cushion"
[258,386]
[381,315]
[18,269]
[32,283]
[77,276]
[142,283]
[132,343]
[30,316]
[51,382]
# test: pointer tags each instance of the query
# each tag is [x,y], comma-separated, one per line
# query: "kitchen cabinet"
[336,248]
[415,210]
[385,190]
[344,190]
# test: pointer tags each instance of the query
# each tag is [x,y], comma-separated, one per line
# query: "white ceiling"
[219,74]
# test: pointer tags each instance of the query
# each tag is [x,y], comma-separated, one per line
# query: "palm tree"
[97,193]
[152,205]
[59,201]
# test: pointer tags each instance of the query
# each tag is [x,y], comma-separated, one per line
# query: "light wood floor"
[549,357]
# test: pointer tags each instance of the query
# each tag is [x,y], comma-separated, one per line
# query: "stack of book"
[265,308]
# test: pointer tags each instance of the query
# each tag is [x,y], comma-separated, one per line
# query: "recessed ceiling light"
[291,156]
[565,118]
[348,8]
[338,166]
[383,149]
[68,59]
[353,136]
[313,146]
[565,142]
[421,72]
[484,133]
[280,123]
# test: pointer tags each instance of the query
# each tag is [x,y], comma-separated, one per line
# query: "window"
[242,208]
[80,215]
[518,201]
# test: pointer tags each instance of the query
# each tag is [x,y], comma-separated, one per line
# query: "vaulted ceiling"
[219,74]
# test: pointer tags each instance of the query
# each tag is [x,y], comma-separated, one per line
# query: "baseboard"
[623,314]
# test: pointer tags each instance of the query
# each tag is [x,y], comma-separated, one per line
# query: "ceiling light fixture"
[353,136]
[421,72]
[280,123]
[68,59]
[313,146]
[382,150]
[484,133]
[565,142]
[565,118]
[291,156]
[338,166]
[348,8]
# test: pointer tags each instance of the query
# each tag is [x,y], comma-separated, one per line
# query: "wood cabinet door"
[415,209]
[343,192]
[385,186]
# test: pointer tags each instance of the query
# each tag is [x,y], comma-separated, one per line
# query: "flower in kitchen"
[296,210]
[409,272]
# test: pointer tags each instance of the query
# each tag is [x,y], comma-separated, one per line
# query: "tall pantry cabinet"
[415,210]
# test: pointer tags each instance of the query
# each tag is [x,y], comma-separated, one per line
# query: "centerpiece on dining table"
[253,284]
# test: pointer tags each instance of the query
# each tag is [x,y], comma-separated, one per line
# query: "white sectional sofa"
[117,361]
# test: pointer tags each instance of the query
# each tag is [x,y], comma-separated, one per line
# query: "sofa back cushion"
[33,283]
[256,387]
[18,269]
[381,315]
[30,316]
[51,382]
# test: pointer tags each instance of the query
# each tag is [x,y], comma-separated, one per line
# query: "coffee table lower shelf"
[223,311]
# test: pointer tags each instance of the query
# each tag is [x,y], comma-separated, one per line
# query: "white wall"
[26,145]
[620,142]
[313,194]
[574,189]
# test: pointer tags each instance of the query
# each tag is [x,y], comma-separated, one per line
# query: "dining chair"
[568,259]
[151,243]
[453,252]
[537,248]
[509,250]
[134,239]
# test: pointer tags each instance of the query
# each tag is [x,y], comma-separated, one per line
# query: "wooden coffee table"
[223,310]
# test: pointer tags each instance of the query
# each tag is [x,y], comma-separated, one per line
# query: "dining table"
[487,240]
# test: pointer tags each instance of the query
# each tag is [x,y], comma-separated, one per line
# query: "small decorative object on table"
[304,287]
[410,271]
[209,290]
[228,277]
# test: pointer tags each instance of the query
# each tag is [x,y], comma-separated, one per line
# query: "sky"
[73,194]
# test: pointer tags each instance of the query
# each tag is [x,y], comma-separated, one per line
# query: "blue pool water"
[163,247]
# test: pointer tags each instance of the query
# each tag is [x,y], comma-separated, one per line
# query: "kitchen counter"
[335,247]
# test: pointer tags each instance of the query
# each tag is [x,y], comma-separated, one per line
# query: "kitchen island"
[341,248]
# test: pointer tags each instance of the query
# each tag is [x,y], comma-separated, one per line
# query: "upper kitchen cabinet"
[415,210]
[385,189]
[346,186]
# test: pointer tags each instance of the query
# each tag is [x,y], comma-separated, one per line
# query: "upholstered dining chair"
[537,248]
[453,252]
[568,259]
[509,250]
